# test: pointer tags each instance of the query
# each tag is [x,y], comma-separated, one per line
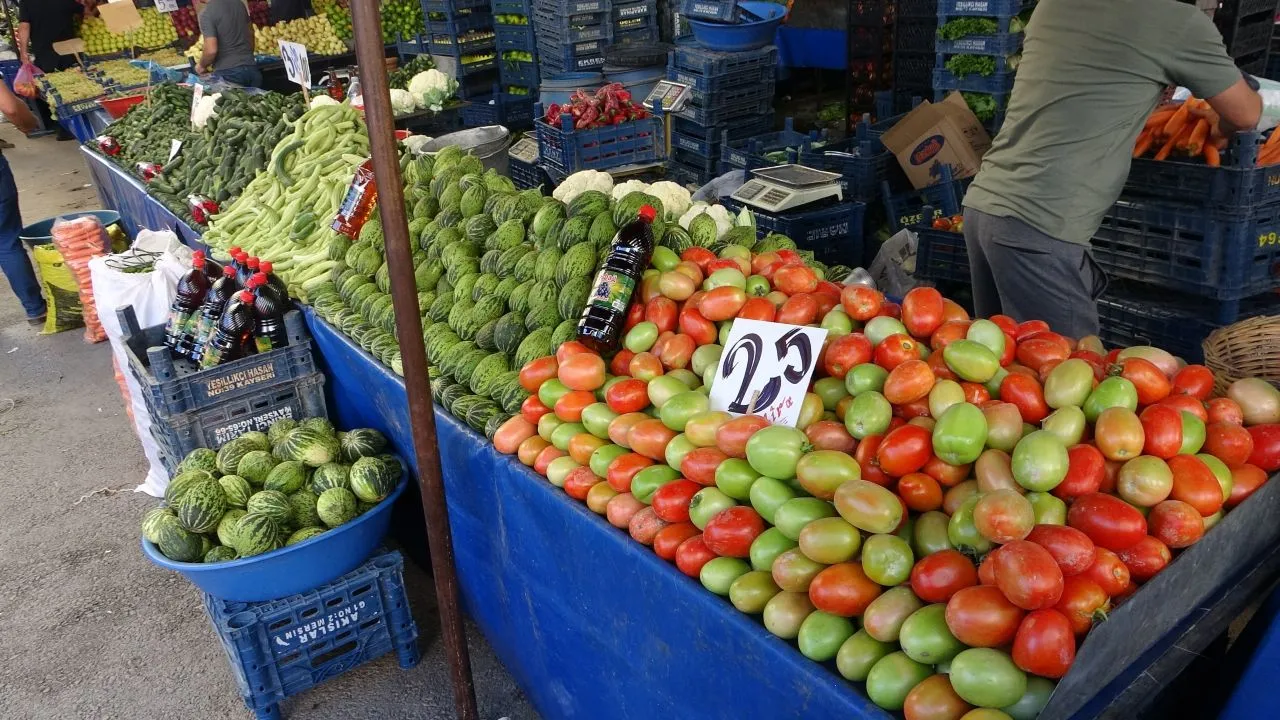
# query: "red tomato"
[1026,394]
[1083,601]
[825,302]
[1194,380]
[700,465]
[987,568]
[1191,404]
[692,323]
[952,310]
[981,616]
[532,409]
[831,290]
[569,406]
[635,316]
[536,372]
[895,350]
[908,382]
[1195,484]
[732,436]
[1086,469]
[732,530]
[1150,381]
[1228,442]
[1108,571]
[650,438]
[1035,352]
[922,311]
[846,352]
[722,303]
[1107,520]
[860,302]
[904,450]
[1266,446]
[1006,323]
[1070,548]
[569,349]
[579,481]
[1175,524]
[867,462]
[661,311]
[938,364]
[1029,328]
[763,260]
[629,395]
[621,360]
[799,309]
[1028,575]
[620,428]
[545,457]
[621,508]
[677,353]
[830,435]
[1045,644]
[946,474]
[933,698]
[1162,430]
[1225,410]
[692,555]
[623,469]
[644,366]
[842,589]
[671,501]
[758,308]
[700,256]
[583,371]
[1146,558]
[727,264]
[975,393]
[669,538]
[919,492]
[1245,480]
[936,577]
[793,279]
[947,333]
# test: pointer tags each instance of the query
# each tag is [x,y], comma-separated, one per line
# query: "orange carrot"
[1179,119]
[1272,141]
[1211,156]
[1184,136]
[1270,157]
[1158,119]
[1167,148]
[1195,140]
[1145,139]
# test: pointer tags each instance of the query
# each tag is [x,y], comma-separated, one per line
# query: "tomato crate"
[697,60]
[515,37]
[1001,44]
[519,72]
[996,83]
[567,150]
[941,255]
[642,8]
[725,11]
[280,648]
[1136,314]
[862,161]
[915,36]
[707,140]
[833,233]
[983,8]
[461,23]
[905,209]
[1237,183]
[1219,254]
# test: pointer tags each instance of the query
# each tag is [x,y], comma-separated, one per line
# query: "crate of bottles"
[280,648]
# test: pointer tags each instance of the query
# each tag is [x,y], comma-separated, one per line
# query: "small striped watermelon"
[202,507]
[272,503]
[237,490]
[336,506]
[151,522]
[255,534]
[305,533]
[371,479]
[176,542]
[329,475]
[227,525]
[220,553]
[362,442]
[303,505]
[287,477]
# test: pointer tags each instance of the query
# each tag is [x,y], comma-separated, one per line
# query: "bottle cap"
[228,271]
[234,251]
[647,213]
[253,263]
[197,258]
[259,279]
[265,266]
[242,257]
[246,296]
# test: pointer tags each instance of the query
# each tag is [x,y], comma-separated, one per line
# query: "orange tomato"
[1119,434]
[573,347]
[623,468]
[922,309]
[536,372]
[620,428]
[649,437]
[947,333]
[530,449]
[584,371]
[860,302]
[799,309]
[732,436]
[908,382]
[792,279]
[1194,380]
[582,445]
[722,303]
[758,308]
[661,311]
[644,366]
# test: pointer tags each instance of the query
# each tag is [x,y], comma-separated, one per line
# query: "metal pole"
[370,55]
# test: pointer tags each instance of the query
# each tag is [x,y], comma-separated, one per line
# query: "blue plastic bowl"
[741,36]
[41,233]
[293,569]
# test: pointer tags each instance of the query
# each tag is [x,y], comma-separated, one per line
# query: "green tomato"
[993,385]
[679,446]
[960,434]
[704,505]
[547,425]
[603,457]
[677,410]
[925,637]
[884,616]
[725,277]
[767,495]
[719,573]
[596,418]
[882,326]
[726,328]
[944,394]
[1069,384]
[1067,423]
[987,678]
[1193,434]
[986,333]
[647,481]
[868,506]
[1114,391]
[1221,472]
[559,469]
[735,478]
[561,436]
[830,540]
[686,377]
[869,414]
[1040,461]
[767,546]
[864,377]
[793,515]
[837,322]
[664,387]
[757,286]
[821,635]
[971,360]
[775,450]
[706,356]
[1032,701]
[962,533]
[1049,510]
[551,391]
[831,390]
[751,591]
[641,337]
[892,678]
[929,534]
[859,654]
[785,613]
[664,258]
[887,559]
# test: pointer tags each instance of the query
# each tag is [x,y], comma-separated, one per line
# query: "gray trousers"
[1021,272]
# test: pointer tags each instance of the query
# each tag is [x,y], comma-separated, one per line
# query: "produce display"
[167,57]
[402,75]
[960,501]
[263,491]
[121,72]
[609,105]
[145,131]
[963,27]
[983,105]
[157,31]
[984,65]
[73,86]
[1189,130]
[339,16]
[315,33]
[510,19]
[401,19]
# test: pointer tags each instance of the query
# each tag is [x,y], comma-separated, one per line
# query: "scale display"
[785,187]
[674,96]
[526,150]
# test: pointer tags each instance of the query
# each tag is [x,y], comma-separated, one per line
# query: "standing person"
[228,42]
[13,258]
[41,23]
[1091,72]
[285,10]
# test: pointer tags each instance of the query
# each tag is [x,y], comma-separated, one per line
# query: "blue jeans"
[13,257]
[245,75]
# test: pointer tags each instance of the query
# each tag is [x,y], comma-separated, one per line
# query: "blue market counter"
[128,196]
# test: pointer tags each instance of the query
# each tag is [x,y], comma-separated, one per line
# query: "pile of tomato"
[960,501]
[955,223]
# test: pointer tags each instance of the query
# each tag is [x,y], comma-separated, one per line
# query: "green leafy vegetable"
[966,26]
[965,65]
[982,105]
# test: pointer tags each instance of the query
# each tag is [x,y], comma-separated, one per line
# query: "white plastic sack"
[150,294]
[894,268]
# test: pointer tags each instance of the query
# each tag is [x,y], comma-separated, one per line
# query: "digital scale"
[785,187]
[525,150]
[674,96]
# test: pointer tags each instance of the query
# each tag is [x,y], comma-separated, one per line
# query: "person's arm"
[1239,107]
[208,54]
[16,111]
[1201,64]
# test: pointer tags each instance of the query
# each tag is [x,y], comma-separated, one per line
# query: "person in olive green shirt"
[1090,74]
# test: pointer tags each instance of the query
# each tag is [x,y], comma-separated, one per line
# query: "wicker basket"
[1249,348]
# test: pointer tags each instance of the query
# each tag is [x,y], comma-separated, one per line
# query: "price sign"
[120,17]
[296,65]
[765,370]
[197,92]
[174,147]
[167,6]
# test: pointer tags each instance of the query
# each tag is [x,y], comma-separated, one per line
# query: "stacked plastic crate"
[461,40]
[915,28]
[635,21]
[572,34]
[976,42]
[870,47]
[1189,248]
[1246,27]
[731,99]
[517,50]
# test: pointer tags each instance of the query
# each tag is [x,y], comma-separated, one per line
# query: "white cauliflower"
[694,211]
[675,199]
[320,100]
[724,219]
[431,88]
[402,102]
[628,187]
[582,181]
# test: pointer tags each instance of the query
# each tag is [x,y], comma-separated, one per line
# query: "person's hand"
[200,70]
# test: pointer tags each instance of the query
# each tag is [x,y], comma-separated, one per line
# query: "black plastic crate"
[758,102]
[833,233]
[280,648]
[749,153]
[511,7]
[642,8]
[725,11]
[1249,37]
[742,94]
[572,7]
[451,7]
[645,35]
[904,209]
[941,255]
[913,70]
[715,84]
[865,41]
[1225,255]
[461,24]
[983,8]
[917,36]
[916,8]
[688,177]
[862,161]
[632,28]
[1237,183]
[499,108]
[703,165]
[706,140]
[867,12]
[1133,314]
[172,386]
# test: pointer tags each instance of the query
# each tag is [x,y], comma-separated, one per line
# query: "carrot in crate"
[1167,148]
[1196,141]
[1145,139]
[1211,156]
[1177,121]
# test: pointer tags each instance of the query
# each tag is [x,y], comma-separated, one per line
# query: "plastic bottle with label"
[232,333]
[215,301]
[358,203]
[606,312]
[268,311]
[191,291]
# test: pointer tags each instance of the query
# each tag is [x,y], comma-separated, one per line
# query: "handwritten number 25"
[750,350]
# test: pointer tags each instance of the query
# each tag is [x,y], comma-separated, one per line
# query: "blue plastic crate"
[1000,82]
[571,7]
[457,47]
[9,70]
[907,208]
[697,60]
[518,72]
[707,140]
[711,85]
[525,175]
[702,164]
[280,648]
[941,255]
[1001,44]
[983,8]
[562,148]
[642,8]
[451,7]
[78,125]
[1220,254]
[687,177]
[515,37]
[833,233]
[500,108]
[630,27]
[748,154]
[1237,183]
[746,103]
[462,23]
[556,59]
[551,34]
[739,95]
[719,10]
[511,7]
[862,161]
[646,34]
[1134,314]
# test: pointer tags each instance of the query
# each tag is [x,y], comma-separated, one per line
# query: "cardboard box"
[934,134]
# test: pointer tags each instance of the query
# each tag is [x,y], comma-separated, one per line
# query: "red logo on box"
[927,149]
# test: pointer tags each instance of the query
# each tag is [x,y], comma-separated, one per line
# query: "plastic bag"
[61,291]
[894,268]
[24,83]
[150,294]
[78,241]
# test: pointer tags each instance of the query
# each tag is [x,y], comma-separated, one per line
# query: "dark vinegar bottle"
[191,291]
[214,303]
[233,331]
[268,310]
[274,281]
[242,269]
[606,312]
